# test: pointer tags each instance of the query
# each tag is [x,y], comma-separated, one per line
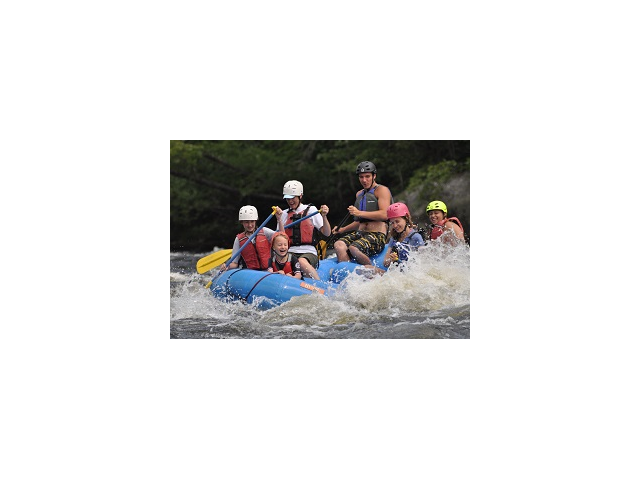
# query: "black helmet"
[365,167]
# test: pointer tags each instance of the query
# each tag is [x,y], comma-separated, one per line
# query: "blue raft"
[267,290]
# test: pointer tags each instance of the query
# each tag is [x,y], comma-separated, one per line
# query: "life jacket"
[435,230]
[287,266]
[255,256]
[403,248]
[303,233]
[367,202]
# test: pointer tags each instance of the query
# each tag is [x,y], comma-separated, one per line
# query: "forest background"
[212,179]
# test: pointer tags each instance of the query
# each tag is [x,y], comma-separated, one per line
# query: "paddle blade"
[212,261]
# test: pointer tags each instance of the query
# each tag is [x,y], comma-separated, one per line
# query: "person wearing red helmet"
[404,236]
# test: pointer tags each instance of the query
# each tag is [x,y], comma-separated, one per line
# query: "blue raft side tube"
[264,289]
[268,290]
[330,270]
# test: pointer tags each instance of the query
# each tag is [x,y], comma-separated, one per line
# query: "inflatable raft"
[266,290]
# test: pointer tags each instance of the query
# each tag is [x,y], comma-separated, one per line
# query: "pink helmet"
[397,210]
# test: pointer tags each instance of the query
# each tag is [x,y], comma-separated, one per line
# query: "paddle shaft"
[301,219]
[338,227]
[261,227]
[228,262]
[250,238]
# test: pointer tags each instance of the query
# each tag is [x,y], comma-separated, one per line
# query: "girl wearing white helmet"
[440,223]
[255,256]
[303,236]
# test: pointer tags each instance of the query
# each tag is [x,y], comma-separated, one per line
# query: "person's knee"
[340,245]
[306,264]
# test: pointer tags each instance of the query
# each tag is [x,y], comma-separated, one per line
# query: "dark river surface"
[428,299]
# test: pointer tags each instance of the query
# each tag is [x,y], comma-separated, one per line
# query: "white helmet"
[292,188]
[248,212]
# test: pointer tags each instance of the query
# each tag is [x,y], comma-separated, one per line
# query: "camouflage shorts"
[369,243]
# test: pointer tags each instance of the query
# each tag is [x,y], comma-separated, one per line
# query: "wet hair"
[410,224]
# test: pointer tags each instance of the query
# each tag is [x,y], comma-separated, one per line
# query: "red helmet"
[397,210]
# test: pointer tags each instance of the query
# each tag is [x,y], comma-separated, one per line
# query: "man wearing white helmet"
[255,256]
[303,236]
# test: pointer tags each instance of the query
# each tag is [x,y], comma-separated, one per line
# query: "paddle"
[212,261]
[249,241]
[301,219]
[324,244]
[339,227]
[255,233]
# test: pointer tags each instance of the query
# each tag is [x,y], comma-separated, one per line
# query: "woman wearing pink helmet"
[404,238]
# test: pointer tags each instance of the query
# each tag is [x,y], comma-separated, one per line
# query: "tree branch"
[224,163]
[223,187]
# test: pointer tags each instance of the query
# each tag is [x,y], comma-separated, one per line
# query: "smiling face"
[398,223]
[249,225]
[293,202]
[436,216]
[281,245]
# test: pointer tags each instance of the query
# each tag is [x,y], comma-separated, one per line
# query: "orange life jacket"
[303,233]
[255,256]
[287,266]
[438,228]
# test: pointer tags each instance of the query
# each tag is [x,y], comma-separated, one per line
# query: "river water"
[429,298]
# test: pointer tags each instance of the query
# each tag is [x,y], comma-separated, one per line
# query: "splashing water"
[427,297]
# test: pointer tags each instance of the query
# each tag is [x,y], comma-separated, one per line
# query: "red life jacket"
[438,228]
[256,257]
[287,266]
[303,233]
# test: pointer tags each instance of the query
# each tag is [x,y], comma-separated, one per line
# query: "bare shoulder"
[382,190]
[383,194]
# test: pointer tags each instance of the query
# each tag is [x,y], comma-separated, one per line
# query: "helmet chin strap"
[299,202]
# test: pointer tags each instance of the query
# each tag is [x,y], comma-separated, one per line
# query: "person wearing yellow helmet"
[440,223]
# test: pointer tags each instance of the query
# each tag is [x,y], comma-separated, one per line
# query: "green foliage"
[432,177]
[212,179]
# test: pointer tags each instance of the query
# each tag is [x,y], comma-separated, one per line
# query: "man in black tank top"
[367,234]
